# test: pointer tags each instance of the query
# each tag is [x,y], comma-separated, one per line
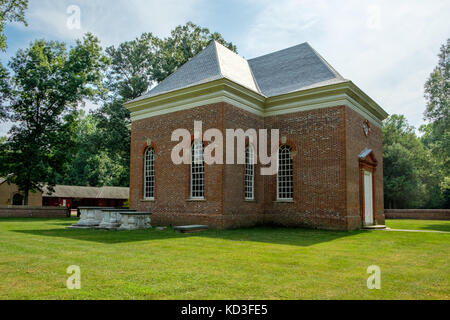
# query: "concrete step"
[375,227]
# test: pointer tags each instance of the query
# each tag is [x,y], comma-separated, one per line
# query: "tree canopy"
[135,67]
[11,11]
[48,83]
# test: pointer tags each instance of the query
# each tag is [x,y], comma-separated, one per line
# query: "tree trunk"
[25,200]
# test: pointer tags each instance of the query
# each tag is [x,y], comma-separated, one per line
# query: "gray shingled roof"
[293,69]
[88,192]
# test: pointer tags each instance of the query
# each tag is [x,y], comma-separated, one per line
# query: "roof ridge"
[218,58]
[278,51]
[244,60]
[336,73]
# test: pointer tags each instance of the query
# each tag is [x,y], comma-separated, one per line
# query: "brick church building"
[330,156]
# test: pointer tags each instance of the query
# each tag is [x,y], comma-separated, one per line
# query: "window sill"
[250,201]
[148,200]
[196,200]
[284,201]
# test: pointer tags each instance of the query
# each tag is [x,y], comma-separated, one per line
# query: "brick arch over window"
[145,146]
[289,143]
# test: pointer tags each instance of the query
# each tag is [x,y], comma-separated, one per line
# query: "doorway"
[368,199]
[17,200]
[368,167]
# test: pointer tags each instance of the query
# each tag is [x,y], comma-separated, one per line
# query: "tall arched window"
[285,179]
[197,171]
[149,174]
[249,173]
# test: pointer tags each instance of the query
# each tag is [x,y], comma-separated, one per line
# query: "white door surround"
[368,199]
[368,195]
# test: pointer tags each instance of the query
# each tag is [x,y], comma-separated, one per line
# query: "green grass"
[419,225]
[259,263]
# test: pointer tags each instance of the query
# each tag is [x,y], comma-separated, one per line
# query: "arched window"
[197,171]
[285,185]
[249,173]
[149,174]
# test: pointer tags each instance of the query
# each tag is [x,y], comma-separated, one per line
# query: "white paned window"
[197,171]
[149,174]
[249,173]
[285,184]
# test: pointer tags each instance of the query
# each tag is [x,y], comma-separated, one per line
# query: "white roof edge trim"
[223,95]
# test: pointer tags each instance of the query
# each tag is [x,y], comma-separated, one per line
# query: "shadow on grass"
[437,227]
[294,237]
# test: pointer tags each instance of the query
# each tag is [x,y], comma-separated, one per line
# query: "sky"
[387,48]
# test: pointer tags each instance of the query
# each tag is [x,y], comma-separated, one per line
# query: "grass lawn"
[259,263]
[419,225]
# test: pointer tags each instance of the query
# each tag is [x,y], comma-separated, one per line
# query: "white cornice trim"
[225,90]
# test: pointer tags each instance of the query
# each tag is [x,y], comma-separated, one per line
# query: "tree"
[403,158]
[437,93]
[135,66]
[437,133]
[183,44]
[91,166]
[11,11]
[47,85]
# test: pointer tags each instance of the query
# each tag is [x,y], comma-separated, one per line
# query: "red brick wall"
[171,205]
[357,142]
[33,212]
[418,214]
[326,167]
[237,211]
[319,170]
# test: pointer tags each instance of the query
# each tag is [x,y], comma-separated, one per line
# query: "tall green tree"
[90,165]
[437,132]
[403,158]
[184,42]
[10,11]
[48,83]
[437,93]
[136,66]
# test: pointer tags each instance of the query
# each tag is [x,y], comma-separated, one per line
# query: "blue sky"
[388,48]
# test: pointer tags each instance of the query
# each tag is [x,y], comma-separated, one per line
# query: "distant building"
[67,196]
[74,197]
[10,195]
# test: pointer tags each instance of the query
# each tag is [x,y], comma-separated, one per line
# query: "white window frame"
[249,174]
[197,167]
[149,172]
[286,173]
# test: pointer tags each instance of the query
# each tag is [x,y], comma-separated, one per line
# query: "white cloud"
[112,21]
[388,48]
